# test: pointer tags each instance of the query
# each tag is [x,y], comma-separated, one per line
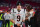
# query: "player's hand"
[12,21]
[18,25]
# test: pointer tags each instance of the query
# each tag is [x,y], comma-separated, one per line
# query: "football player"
[18,15]
[29,13]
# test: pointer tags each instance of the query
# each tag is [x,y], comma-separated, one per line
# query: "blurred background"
[9,4]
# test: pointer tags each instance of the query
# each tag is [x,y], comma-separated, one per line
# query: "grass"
[10,24]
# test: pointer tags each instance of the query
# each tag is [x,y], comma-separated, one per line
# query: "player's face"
[19,7]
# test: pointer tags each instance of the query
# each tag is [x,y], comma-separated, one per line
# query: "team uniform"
[30,14]
[18,16]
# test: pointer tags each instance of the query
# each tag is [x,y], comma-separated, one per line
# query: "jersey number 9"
[18,18]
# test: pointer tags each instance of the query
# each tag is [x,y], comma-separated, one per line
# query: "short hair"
[18,3]
[29,7]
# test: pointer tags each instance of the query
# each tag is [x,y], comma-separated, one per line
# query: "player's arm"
[12,16]
[26,16]
[23,17]
[12,20]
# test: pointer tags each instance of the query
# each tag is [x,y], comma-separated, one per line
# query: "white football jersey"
[18,16]
[30,14]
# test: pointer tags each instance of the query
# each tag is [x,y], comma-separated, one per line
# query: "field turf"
[11,24]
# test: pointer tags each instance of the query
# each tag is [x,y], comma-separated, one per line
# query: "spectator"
[7,18]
